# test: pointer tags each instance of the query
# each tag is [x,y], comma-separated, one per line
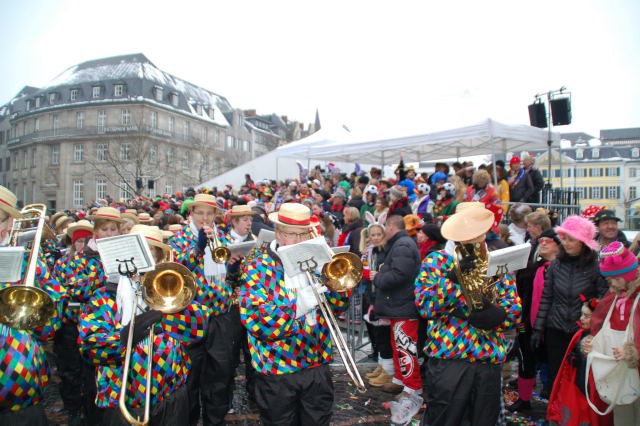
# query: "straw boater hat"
[106,213]
[55,217]
[153,234]
[467,224]
[8,202]
[176,227]
[166,235]
[292,214]
[206,200]
[131,214]
[241,210]
[81,229]
[62,220]
[145,218]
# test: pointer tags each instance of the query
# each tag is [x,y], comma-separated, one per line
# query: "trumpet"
[219,253]
[341,274]
[25,306]
[169,288]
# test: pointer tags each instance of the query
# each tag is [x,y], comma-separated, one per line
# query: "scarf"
[125,296]
[212,269]
[517,179]
[538,286]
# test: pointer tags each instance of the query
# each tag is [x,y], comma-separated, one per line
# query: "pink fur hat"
[580,229]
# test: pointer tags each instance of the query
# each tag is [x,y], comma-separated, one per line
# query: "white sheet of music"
[508,259]
[11,264]
[113,250]
[311,254]
[340,249]
[244,247]
[265,237]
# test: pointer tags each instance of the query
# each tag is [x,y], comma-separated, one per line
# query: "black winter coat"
[395,282]
[564,282]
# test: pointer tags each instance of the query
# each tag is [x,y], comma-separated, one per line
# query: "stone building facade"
[119,127]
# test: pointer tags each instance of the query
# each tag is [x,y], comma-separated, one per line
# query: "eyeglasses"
[298,235]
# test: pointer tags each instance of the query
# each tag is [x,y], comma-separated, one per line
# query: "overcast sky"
[381,68]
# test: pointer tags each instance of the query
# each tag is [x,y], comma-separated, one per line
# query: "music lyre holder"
[126,270]
[307,266]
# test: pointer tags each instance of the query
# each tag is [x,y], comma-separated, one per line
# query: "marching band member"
[24,370]
[465,347]
[214,361]
[66,339]
[104,330]
[288,338]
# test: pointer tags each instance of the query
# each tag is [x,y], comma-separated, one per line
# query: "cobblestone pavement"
[350,406]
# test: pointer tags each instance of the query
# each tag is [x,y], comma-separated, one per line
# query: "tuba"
[169,288]
[24,306]
[474,281]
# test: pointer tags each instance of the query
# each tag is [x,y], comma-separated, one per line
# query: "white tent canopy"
[487,137]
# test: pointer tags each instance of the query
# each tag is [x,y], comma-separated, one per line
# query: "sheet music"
[341,249]
[313,253]
[265,237]
[11,264]
[508,260]
[245,247]
[125,247]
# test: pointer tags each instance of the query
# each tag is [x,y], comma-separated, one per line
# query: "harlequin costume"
[466,348]
[290,350]
[215,359]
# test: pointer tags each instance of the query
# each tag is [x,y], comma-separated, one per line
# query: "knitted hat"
[617,261]
[432,231]
[579,228]
[550,233]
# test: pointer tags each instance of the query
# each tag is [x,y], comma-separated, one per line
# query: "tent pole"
[493,163]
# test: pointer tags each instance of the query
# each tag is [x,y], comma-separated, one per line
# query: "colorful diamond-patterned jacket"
[279,342]
[100,345]
[439,299]
[24,371]
[217,292]
[81,273]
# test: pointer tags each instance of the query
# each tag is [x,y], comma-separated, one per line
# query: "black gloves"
[202,240]
[487,318]
[141,328]
[536,339]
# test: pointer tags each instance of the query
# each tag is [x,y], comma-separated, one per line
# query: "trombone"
[342,273]
[219,254]
[169,288]
[25,306]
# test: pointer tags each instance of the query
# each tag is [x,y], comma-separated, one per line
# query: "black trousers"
[92,414]
[526,356]
[460,392]
[301,398]
[222,345]
[30,416]
[172,410]
[383,340]
[69,361]
[557,342]
[197,354]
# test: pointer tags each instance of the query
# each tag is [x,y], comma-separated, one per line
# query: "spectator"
[356,198]
[382,206]
[446,203]
[337,207]
[398,201]
[528,163]
[369,205]
[502,188]
[350,235]
[608,231]
[520,183]
[430,239]
[260,220]
[424,204]
[483,191]
[518,226]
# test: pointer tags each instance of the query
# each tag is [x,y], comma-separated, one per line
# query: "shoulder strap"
[628,333]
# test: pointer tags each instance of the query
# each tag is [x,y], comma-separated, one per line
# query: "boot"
[392,387]
[375,373]
[519,405]
[382,379]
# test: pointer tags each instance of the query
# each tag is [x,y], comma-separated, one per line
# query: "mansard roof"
[142,82]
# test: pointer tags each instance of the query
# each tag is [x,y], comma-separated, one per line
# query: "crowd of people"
[438,339]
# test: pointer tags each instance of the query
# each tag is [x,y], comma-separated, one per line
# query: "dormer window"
[595,152]
[52,98]
[579,154]
[118,90]
[212,113]
[199,109]
[157,93]
[38,102]
[28,105]
[635,152]
[96,91]
[174,99]
[74,94]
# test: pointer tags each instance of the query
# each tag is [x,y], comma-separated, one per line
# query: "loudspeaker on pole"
[560,111]
[538,115]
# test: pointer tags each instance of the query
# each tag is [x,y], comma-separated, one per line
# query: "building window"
[612,171]
[632,172]
[126,117]
[118,90]
[185,130]
[36,125]
[33,157]
[55,124]
[25,157]
[595,172]
[212,113]
[632,192]
[230,142]
[170,157]
[245,146]
[168,188]
[52,98]
[101,188]
[186,160]
[153,154]
[596,192]
[172,125]
[124,192]
[78,193]
[80,119]
[102,120]
[581,172]
[95,92]
[154,119]
[595,152]
[157,93]
[55,155]
[613,192]
[101,152]
[28,105]
[73,94]
[38,102]
[78,152]
[174,99]
[124,151]
[205,134]
[635,152]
